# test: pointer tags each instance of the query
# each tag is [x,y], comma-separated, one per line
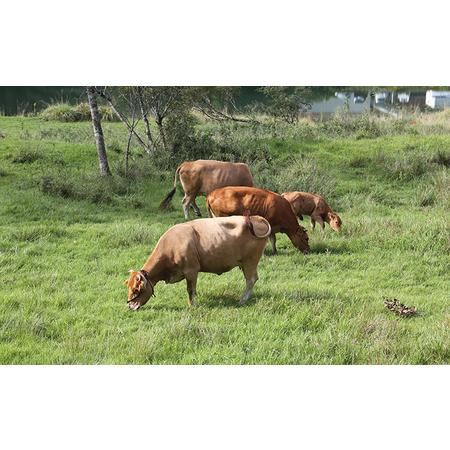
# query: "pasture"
[68,239]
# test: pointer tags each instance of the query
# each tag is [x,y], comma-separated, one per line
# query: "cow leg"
[273,241]
[313,223]
[191,282]
[186,201]
[196,208]
[321,223]
[251,277]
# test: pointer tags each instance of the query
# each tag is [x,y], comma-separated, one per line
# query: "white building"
[403,97]
[437,99]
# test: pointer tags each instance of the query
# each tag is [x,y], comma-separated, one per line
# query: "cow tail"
[165,203]
[208,207]
[248,222]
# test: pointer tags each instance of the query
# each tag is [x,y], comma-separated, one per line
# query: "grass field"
[68,239]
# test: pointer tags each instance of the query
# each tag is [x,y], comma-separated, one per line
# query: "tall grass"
[63,112]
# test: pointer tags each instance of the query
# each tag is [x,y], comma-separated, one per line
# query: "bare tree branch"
[103,93]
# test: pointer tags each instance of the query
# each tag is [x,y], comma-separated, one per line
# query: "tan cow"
[314,206]
[239,199]
[202,245]
[202,177]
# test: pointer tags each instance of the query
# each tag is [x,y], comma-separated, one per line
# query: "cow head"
[334,220]
[300,240]
[140,289]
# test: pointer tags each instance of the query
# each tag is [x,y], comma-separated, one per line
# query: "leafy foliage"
[285,103]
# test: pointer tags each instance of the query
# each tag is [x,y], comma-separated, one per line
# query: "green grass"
[63,258]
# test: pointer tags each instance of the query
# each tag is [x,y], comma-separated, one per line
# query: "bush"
[63,112]
[107,114]
[82,112]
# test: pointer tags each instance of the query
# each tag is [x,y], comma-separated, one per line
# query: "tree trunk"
[127,152]
[98,132]
[144,114]
[159,123]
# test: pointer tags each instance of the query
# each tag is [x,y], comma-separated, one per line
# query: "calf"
[314,206]
[238,199]
[202,177]
[202,245]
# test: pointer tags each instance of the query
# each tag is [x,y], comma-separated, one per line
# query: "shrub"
[82,112]
[107,114]
[63,112]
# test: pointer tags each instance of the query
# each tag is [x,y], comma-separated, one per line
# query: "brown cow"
[202,245]
[202,177]
[236,200]
[314,206]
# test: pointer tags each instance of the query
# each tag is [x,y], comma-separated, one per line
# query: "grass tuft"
[63,112]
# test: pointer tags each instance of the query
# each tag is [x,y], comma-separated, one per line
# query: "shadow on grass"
[280,252]
[225,301]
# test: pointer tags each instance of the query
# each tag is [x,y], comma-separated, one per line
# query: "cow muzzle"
[133,305]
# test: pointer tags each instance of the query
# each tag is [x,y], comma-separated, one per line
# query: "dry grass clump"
[63,112]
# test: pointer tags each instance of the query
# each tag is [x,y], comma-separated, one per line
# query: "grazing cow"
[202,245]
[202,177]
[238,199]
[314,206]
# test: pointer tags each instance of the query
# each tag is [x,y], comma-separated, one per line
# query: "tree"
[158,102]
[286,102]
[217,103]
[98,131]
[161,102]
[115,98]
